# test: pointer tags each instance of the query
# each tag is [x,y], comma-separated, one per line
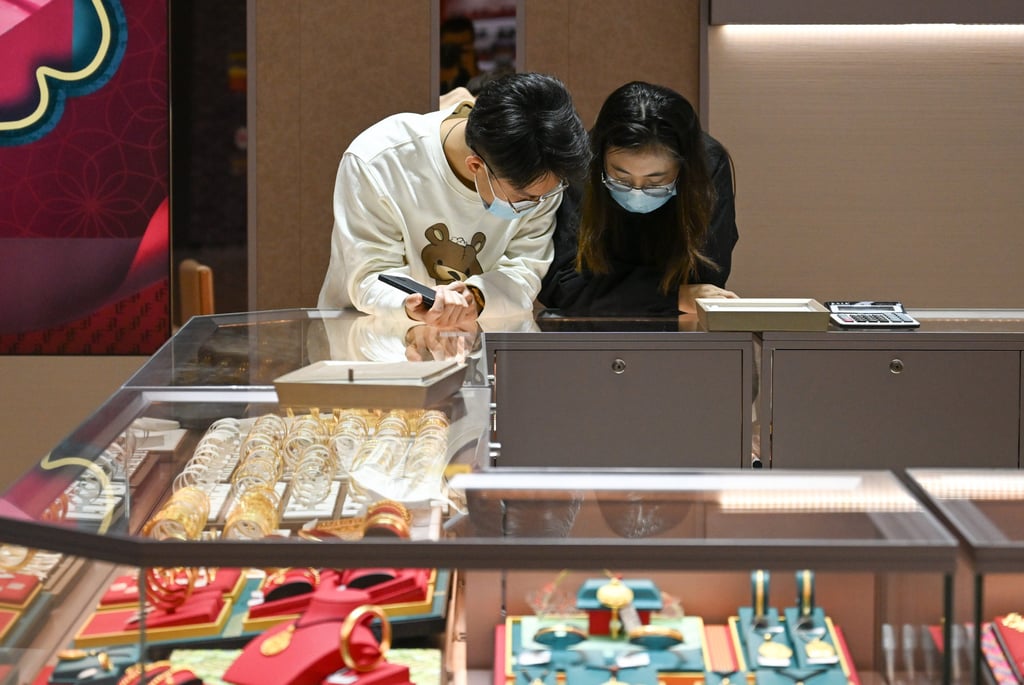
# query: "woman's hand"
[688,295]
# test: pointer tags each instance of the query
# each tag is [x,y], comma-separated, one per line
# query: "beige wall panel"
[597,45]
[45,398]
[276,192]
[874,162]
[324,72]
[546,37]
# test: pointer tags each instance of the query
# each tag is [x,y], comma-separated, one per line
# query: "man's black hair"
[525,126]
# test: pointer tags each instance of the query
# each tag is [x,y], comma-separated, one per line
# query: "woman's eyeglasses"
[653,191]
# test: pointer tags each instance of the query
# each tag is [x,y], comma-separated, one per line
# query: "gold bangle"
[655,636]
[348,626]
[387,506]
[163,588]
[386,524]
[15,557]
[560,636]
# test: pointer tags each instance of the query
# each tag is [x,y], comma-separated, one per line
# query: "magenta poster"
[84,177]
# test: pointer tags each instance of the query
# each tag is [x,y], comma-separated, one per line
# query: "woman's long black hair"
[641,116]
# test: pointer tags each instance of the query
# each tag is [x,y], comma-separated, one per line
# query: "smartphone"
[406,284]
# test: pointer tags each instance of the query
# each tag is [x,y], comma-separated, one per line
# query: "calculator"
[870,314]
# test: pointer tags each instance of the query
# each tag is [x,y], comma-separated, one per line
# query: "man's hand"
[454,306]
[688,295]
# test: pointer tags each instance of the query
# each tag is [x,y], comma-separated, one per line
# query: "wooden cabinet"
[890,400]
[623,399]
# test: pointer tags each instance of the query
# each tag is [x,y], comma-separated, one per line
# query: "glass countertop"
[985,507]
[254,348]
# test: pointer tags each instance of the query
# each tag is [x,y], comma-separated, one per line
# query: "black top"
[631,285]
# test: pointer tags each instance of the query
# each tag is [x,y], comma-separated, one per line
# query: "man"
[462,200]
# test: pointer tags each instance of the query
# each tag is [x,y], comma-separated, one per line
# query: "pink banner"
[84,177]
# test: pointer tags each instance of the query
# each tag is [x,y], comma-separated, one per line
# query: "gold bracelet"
[387,506]
[478,297]
[348,626]
[163,588]
[386,523]
[15,557]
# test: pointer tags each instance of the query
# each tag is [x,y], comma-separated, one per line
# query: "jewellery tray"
[395,385]
[689,660]
[839,673]
[762,314]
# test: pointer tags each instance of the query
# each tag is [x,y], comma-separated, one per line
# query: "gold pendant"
[72,654]
[819,649]
[774,650]
[277,643]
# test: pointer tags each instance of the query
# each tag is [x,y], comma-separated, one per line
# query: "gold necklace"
[444,140]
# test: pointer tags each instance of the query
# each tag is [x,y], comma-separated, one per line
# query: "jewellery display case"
[726,554]
[606,392]
[896,398]
[985,507]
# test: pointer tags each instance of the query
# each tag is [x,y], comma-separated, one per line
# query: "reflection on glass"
[477,42]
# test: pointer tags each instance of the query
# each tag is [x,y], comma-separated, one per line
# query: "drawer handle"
[896,366]
[619,366]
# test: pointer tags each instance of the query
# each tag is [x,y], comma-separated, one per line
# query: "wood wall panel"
[594,47]
[874,162]
[324,71]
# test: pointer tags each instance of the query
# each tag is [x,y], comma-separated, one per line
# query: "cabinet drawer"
[621,408]
[871,409]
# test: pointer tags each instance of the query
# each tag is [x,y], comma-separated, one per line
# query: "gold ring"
[348,626]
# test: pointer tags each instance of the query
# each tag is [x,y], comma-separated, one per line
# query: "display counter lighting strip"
[525,484]
[823,501]
[982,486]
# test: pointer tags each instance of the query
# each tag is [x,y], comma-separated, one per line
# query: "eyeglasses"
[653,191]
[520,206]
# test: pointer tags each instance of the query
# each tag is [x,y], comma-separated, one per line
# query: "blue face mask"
[639,202]
[502,209]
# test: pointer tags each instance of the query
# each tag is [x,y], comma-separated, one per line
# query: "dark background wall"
[208,142]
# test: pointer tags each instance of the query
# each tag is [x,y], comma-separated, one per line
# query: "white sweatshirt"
[399,208]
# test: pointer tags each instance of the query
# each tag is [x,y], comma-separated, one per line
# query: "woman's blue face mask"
[637,201]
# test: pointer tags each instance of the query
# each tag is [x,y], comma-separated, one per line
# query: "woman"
[656,225]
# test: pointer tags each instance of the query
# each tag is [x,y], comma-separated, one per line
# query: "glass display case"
[986,509]
[575,576]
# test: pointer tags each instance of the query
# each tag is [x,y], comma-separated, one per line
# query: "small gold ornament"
[277,643]
[614,595]
[819,649]
[774,650]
